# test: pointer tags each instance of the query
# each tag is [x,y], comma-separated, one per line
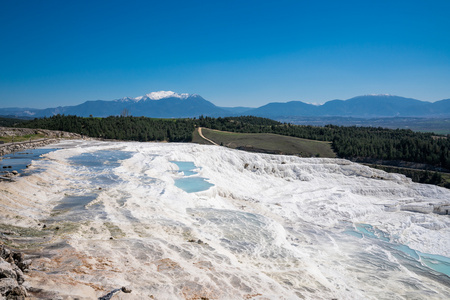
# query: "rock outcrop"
[11,131]
[50,137]
[12,266]
[14,147]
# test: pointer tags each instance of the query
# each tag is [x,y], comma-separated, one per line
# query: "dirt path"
[205,138]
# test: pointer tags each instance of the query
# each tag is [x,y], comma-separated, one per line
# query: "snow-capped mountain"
[168,104]
[158,96]
[162,104]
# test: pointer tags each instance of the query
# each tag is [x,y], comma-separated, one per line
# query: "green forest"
[120,128]
[347,142]
[10,122]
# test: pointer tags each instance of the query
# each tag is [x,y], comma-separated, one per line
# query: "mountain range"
[166,104]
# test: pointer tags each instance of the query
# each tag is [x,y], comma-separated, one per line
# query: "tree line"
[10,122]
[120,128]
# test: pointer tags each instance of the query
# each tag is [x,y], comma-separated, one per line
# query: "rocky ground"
[11,131]
[12,267]
[50,137]
[21,270]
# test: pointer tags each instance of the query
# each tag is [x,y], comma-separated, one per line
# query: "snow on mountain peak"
[162,94]
[156,96]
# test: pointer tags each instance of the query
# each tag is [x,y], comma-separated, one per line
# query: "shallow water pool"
[187,167]
[19,160]
[190,183]
[193,184]
[99,166]
[438,263]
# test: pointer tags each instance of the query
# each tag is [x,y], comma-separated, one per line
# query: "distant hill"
[292,108]
[371,106]
[172,105]
[237,110]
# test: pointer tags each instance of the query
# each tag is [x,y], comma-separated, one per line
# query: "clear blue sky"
[233,53]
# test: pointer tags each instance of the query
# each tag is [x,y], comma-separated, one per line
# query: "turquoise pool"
[190,183]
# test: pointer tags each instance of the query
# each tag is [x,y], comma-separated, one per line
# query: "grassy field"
[267,142]
[22,138]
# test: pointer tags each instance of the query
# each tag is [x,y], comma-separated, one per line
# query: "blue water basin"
[98,166]
[101,159]
[190,183]
[19,161]
[186,167]
[193,184]
[438,263]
